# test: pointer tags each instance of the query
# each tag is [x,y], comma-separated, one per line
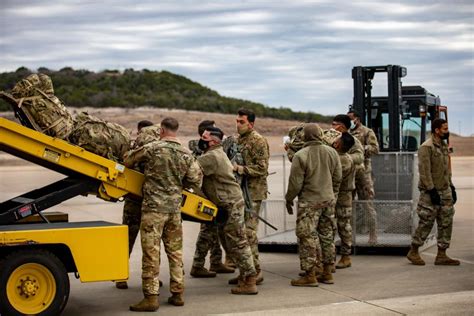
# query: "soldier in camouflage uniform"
[363,180]
[344,199]
[437,195]
[147,132]
[315,178]
[219,186]
[168,168]
[208,239]
[256,154]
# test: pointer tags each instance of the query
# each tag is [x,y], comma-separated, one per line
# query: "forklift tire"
[33,282]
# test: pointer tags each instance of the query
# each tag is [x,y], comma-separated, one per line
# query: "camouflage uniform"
[132,212]
[344,204]
[363,179]
[256,154]
[433,165]
[220,187]
[208,237]
[315,178]
[167,167]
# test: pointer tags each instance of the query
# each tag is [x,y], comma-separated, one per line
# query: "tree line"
[134,88]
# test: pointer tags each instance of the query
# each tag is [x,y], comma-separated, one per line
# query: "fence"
[396,195]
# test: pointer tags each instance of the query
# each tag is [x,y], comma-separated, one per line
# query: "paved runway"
[375,285]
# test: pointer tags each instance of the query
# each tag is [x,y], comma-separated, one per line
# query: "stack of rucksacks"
[34,95]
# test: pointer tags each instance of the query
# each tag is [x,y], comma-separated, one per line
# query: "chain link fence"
[391,225]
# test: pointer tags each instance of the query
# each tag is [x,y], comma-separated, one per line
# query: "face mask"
[203,144]
[243,129]
[445,136]
[353,124]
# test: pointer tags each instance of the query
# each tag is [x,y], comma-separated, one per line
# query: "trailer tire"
[33,282]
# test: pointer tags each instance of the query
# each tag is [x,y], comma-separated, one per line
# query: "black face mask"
[445,136]
[203,145]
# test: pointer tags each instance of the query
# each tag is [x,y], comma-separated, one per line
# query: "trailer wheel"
[33,282]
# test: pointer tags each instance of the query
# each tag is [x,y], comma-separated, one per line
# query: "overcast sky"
[296,54]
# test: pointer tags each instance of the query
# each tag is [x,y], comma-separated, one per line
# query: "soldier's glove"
[454,194]
[434,195]
[289,207]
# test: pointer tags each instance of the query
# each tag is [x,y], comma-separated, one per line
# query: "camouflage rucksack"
[35,95]
[105,139]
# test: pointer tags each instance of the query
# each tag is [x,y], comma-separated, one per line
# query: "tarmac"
[374,285]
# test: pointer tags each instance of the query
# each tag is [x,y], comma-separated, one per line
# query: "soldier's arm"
[135,156]
[258,164]
[424,167]
[295,183]
[336,176]
[357,152]
[372,146]
[193,177]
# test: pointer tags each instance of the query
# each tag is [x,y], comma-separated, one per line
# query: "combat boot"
[121,285]
[259,276]
[221,268]
[248,286]
[309,279]
[443,260]
[414,256]
[326,277]
[201,272]
[344,262]
[176,299]
[229,263]
[148,304]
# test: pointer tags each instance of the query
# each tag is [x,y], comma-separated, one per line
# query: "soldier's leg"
[251,225]
[427,214]
[325,229]
[444,220]
[306,221]
[173,243]
[216,250]
[237,243]
[344,228]
[366,192]
[151,230]
[132,213]
[203,244]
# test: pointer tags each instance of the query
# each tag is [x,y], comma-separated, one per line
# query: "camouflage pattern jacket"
[194,148]
[256,155]
[315,174]
[367,138]
[348,173]
[219,184]
[147,135]
[433,165]
[168,168]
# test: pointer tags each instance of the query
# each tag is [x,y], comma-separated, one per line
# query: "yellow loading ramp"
[87,173]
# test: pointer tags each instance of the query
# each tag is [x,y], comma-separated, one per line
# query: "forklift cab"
[402,119]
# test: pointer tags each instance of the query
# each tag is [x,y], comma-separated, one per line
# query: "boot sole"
[306,285]
[203,276]
[447,264]
[240,293]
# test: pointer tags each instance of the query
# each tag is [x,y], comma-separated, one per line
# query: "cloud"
[296,54]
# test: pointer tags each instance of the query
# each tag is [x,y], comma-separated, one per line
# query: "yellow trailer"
[35,258]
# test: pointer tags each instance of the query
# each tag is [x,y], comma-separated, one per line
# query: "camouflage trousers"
[315,227]
[207,240]
[428,213]
[156,227]
[365,192]
[236,238]
[132,213]
[251,225]
[344,220]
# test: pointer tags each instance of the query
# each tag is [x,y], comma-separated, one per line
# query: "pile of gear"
[48,114]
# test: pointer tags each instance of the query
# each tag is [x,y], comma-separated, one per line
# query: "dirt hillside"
[271,128]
